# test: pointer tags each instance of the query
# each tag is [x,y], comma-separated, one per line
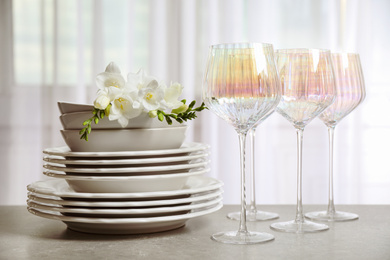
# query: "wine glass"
[241,85]
[253,214]
[350,93]
[308,88]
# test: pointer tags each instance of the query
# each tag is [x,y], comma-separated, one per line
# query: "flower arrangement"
[122,101]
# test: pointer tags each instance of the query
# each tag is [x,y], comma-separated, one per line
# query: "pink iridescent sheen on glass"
[350,93]
[308,88]
[350,87]
[241,86]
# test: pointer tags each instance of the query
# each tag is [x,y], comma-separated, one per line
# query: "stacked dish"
[141,133]
[125,191]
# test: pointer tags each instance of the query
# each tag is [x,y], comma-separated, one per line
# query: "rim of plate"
[185,148]
[124,178]
[128,169]
[60,188]
[61,160]
[167,209]
[58,216]
[53,200]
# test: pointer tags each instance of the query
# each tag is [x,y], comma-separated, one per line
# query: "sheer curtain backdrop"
[51,50]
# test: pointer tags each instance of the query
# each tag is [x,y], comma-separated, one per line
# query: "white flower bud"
[101,102]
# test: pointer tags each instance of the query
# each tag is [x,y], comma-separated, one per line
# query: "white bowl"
[126,139]
[69,107]
[125,184]
[74,121]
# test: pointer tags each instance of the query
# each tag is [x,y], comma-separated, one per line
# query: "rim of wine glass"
[240,45]
[346,53]
[301,50]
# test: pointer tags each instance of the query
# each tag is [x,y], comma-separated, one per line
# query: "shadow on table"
[68,234]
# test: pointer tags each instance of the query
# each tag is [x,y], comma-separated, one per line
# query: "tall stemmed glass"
[241,86]
[253,214]
[350,93]
[308,88]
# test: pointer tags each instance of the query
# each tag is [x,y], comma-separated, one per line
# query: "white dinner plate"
[125,225]
[130,170]
[118,162]
[185,148]
[54,200]
[126,184]
[60,188]
[126,212]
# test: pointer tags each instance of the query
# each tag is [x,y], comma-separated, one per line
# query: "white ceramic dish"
[129,170]
[184,149]
[112,140]
[125,225]
[74,121]
[70,107]
[128,162]
[60,188]
[126,184]
[53,200]
[126,212]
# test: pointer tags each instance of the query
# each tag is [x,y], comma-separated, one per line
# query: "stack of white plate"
[125,192]
[140,179]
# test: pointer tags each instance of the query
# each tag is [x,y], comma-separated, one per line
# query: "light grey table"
[25,236]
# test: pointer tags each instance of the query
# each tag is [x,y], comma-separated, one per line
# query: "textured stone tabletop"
[25,236]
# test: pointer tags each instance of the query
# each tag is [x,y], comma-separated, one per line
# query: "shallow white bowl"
[74,121]
[69,107]
[115,140]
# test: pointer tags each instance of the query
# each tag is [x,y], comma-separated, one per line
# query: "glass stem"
[299,218]
[252,206]
[331,208]
[242,138]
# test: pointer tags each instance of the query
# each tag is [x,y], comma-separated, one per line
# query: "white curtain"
[51,50]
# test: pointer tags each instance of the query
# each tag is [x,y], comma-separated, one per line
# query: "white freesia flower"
[110,78]
[139,80]
[124,107]
[172,94]
[152,96]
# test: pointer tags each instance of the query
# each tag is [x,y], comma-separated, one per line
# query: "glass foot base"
[298,227]
[336,216]
[253,215]
[242,238]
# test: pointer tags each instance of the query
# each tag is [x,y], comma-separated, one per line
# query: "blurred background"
[51,50]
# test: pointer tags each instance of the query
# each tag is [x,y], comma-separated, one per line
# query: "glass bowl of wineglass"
[308,88]
[350,93]
[241,85]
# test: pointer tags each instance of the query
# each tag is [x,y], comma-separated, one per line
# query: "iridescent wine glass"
[241,85]
[253,214]
[308,88]
[350,93]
